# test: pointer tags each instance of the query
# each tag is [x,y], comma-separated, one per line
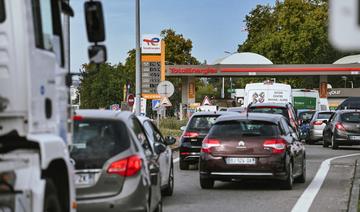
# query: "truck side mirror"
[94,21]
[97,54]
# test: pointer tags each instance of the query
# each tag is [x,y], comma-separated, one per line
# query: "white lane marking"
[176,160]
[308,196]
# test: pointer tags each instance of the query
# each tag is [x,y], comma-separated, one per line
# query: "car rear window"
[201,123]
[353,117]
[95,141]
[350,105]
[244,128]
[324,115]
[272,110]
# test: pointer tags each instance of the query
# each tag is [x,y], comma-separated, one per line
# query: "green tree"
[291,32]
[102,86]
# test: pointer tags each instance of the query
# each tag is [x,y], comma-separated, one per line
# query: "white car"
[166,159]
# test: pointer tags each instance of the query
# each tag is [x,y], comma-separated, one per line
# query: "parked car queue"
[122,162]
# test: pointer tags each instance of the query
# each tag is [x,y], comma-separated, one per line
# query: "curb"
[354,193]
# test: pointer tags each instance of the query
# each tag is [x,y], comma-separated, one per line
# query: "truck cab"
[35,168]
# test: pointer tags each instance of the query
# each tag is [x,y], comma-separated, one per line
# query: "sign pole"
[138,60]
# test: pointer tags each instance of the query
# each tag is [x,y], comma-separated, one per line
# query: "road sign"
[151,44]
[344,24]
[130,100]
[231,90]
[165,89]
[115,107]
[165,102]
[206,101]
[155,104]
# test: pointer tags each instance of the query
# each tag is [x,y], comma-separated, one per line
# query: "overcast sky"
[214,26]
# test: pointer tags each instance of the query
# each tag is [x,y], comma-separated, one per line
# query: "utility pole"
[138,60]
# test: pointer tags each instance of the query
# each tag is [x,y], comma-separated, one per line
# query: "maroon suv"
[255,146]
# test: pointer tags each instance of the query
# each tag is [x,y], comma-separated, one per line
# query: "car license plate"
[355,137]
[240,161]
[83,179]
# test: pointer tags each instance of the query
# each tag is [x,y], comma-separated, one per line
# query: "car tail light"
[126,167]
[77,118]
[339,126]
[317,123]
[278,146]
[190,134]
[208,143]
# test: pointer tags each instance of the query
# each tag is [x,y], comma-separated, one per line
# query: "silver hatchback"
[317,126]
[116,168]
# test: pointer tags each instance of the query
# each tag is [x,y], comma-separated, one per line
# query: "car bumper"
[346,138]
[272,167]
[316,134]
[131,198]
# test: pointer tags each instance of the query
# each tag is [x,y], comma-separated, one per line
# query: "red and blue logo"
[154,41]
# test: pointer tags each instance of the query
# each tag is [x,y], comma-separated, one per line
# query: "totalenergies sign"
[151,44]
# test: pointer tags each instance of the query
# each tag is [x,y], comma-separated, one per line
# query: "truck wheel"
[51,202]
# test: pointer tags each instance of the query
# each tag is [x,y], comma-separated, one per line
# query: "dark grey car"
[116,168]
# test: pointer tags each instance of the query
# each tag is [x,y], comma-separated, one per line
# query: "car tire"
[334,144]
[206,183]
[159,207]
[325,143]
[287,184]
[169,189]
[51,202]
[302,177]
[183,165]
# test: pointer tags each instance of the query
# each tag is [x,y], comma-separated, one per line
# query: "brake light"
[339,126]
[208,143]
[317,123]
[277,146]
[190,134]
[126,167]
[77,118]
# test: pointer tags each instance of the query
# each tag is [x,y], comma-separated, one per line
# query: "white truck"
[267,92]
[35,169]
[306,99]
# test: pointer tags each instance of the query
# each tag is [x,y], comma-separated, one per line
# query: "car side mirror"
[169,140]
[325,121]
[94,21]
[183,128]
[159,148]
[97,54]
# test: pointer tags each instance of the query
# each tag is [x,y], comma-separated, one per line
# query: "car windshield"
[201,123]
[272,110]
[306,115]
[324,115]
[95,141]
[244,128]
[353,117]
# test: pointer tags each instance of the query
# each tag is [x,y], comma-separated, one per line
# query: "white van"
[306,99]
[267,92]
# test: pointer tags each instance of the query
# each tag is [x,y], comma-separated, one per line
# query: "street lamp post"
[344,78]
[352,84]
[138,60]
